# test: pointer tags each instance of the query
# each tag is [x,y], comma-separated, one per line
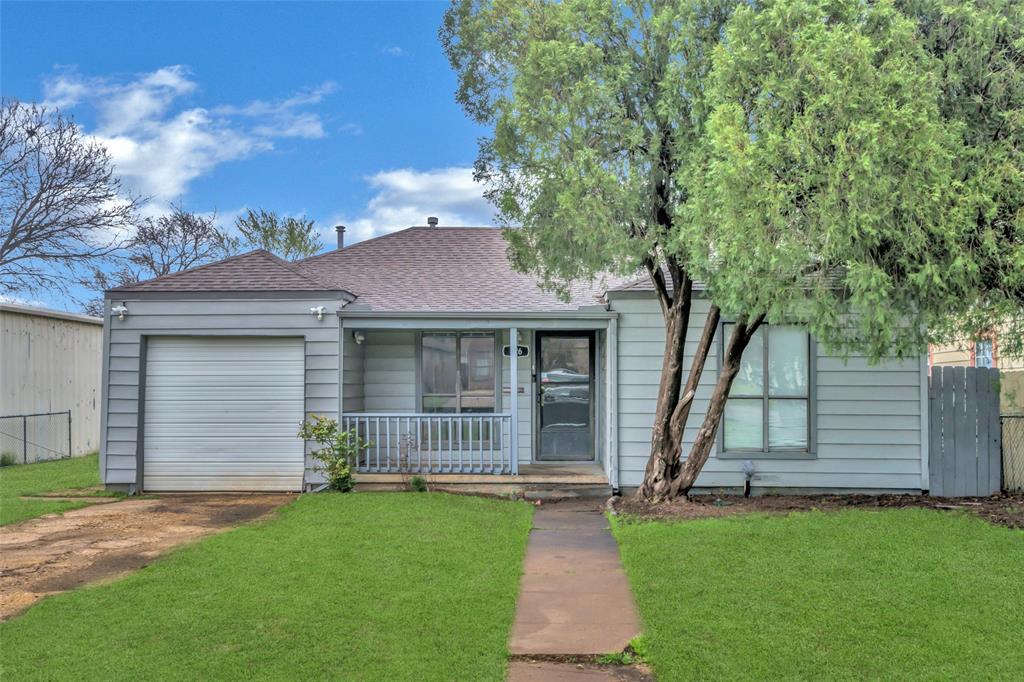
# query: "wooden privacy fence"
[964,434]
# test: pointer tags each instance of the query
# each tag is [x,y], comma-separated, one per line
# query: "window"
[769,402]
[458,372]
[983,353]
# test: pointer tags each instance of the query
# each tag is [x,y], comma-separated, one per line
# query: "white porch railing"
[464,443]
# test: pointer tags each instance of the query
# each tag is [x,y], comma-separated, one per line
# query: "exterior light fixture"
[318,311]
[359,337]
[120,310]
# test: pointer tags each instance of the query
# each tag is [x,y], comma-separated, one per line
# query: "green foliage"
[978,51]
[340,451]
[852,166]
[423,588]
[418,484]
[825,176]
[8,459]
[817,596]
[595,108]
[289,238]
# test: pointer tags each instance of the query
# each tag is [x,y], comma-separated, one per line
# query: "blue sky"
[341,111]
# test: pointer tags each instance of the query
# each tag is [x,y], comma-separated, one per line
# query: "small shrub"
[8,459]
[418,484]
[341,448]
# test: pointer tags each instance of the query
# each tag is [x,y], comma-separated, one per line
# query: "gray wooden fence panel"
[995,432]
[964,434]
[935,429]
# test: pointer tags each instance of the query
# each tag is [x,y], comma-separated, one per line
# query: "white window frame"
[809,452]
[991,352]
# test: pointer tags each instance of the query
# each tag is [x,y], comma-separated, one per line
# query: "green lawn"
[369,586]
[30,479]
[902,594]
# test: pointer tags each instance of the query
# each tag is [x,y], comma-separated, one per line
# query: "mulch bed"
[1006,509]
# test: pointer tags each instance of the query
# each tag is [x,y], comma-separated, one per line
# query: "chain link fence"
[1013,452]
[28,438]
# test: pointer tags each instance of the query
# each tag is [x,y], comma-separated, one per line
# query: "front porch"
[452,400]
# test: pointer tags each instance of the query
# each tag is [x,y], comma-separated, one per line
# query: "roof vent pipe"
[432,221]
[340,229]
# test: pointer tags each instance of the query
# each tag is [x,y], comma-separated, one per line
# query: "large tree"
[161,245]
[608,118]
[978,48]
[288,237]
[61,206]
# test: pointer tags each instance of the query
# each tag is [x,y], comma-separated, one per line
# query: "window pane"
[438,364]
[476,365]
[787,361]
[438,403]
[743,425]
[983,353]
[787,424]
[750,379]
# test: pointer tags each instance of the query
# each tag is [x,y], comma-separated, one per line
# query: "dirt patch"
[1005,509]
[56,553]
[576,668]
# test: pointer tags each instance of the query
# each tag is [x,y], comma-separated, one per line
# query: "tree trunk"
[702,444]
[663,463]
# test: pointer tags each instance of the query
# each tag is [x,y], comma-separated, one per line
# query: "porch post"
[513,383]
[611,346]
[341,369]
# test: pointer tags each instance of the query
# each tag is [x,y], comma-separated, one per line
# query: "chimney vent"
[432,221]
[340,229]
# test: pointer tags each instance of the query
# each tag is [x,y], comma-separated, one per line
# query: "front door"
[565,396]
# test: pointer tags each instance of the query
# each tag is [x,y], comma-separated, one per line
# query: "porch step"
[566,492]
[527,487]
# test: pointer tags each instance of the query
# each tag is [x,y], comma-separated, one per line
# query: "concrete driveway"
[56,553]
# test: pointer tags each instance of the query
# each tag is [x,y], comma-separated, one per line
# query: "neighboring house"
[50,362]
[986,352]
[983,352]
[452,364]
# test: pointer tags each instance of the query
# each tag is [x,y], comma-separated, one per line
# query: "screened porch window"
[458,372]
[769,402]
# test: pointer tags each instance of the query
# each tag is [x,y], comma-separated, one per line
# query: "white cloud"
[393,51]
[159,146]
[406,197]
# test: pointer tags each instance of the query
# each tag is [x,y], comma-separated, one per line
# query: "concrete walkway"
[574,598]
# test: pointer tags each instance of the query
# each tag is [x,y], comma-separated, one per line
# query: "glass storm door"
[564,396]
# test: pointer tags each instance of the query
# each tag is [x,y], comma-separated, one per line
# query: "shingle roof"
[446,269]
[257,270]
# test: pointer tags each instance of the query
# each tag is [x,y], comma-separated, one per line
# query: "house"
[986,352]
[49,363]
[451,364]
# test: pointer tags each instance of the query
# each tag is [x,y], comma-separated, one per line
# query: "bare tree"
[160,246]
[61,207]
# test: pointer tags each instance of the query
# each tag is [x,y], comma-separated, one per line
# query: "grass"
[44,477]
[901,594]
[355,587]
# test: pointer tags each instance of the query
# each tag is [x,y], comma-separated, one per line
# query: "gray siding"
[354,398]
[120,446]
[868,430]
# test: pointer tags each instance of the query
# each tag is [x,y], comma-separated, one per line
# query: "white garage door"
[223,414]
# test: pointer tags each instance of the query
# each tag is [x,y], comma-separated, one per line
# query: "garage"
[222,413]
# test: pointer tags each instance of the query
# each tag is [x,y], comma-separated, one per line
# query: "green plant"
[7,459]
[418,484]
[339,451]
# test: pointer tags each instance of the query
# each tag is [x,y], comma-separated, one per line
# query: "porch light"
[318,311]
[120,310]
[358,337]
